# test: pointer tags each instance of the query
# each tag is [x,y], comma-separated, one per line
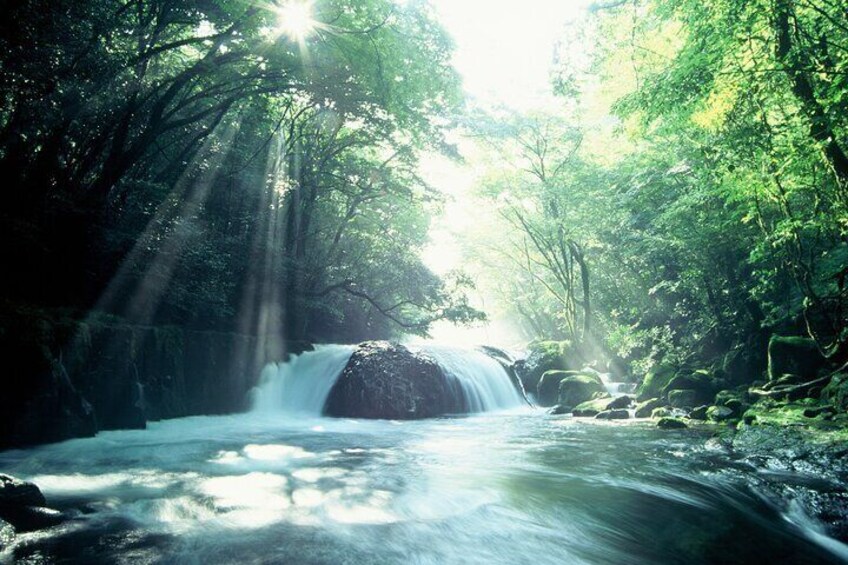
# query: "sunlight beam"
[295,19]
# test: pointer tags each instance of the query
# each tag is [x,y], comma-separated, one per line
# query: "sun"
[294,19]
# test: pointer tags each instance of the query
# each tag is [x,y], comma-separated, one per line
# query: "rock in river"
[388,381]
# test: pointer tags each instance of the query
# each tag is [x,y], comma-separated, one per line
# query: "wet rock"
[31,518]
[719,413]
[546,356]
[662,412]
[613,415]
[620,402]
[654,382]
[699,413]
[590,408]
[15,492]
[794,355]
[682,398]
[646,408]
[578,387]
[703,384]
[558,410]
[671,424]
[23,506]
[388,381]
[548,387]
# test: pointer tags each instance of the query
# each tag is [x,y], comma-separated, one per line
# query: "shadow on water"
[517,487]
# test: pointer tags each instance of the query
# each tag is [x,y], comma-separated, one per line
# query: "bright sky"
[504,52]
[504,48]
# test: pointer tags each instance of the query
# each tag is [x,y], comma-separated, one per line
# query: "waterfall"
[616,388]
[303,383]
[484,382]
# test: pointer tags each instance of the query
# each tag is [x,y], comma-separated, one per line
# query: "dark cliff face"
[388,381]
[65,379]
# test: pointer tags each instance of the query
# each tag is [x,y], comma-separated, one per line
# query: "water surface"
[514,487]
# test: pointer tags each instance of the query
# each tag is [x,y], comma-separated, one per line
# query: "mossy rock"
[547,390]
[737,400]
[655,381]
[544,356]
[703,384]
[671,424]
[579,387]
[699,413]
[620,402]
[613,415]
[794,355]
[591,408]
[646,408]
[662,412]
[836,392]
[719,413]
[682,398]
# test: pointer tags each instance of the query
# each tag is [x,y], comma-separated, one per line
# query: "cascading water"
[485,384]
[302,384]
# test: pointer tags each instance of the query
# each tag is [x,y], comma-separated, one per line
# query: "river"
[507,486]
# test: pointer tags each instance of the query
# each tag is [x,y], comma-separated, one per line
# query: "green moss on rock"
[544,356]
[793,355]
[671,424]
[579,387]
[655,381]
[646,408]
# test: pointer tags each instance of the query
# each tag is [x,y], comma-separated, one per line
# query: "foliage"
[187,162]
[708,192]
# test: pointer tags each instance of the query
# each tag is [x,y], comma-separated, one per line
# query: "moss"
[544,356]
[591,408]
[671,424]
[662,412]
[655,381]
[646,408]
[579,387]
[836,392]
[769,412]
[793,355]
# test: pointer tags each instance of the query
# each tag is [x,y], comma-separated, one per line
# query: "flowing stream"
[283,485]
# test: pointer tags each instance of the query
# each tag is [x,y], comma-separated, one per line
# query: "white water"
[484,382]
[303,384]
[496,488]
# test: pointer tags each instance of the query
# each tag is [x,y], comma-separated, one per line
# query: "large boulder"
[23,506]
[702,383]
[544,356]
[794,355]
[645,408]
[655,381]
[577,387]
[388,381]
[591,408]
[668,423]
[613,415]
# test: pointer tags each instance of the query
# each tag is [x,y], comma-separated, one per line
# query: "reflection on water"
[517,487]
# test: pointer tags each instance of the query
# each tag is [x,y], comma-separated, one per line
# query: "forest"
[223,209]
